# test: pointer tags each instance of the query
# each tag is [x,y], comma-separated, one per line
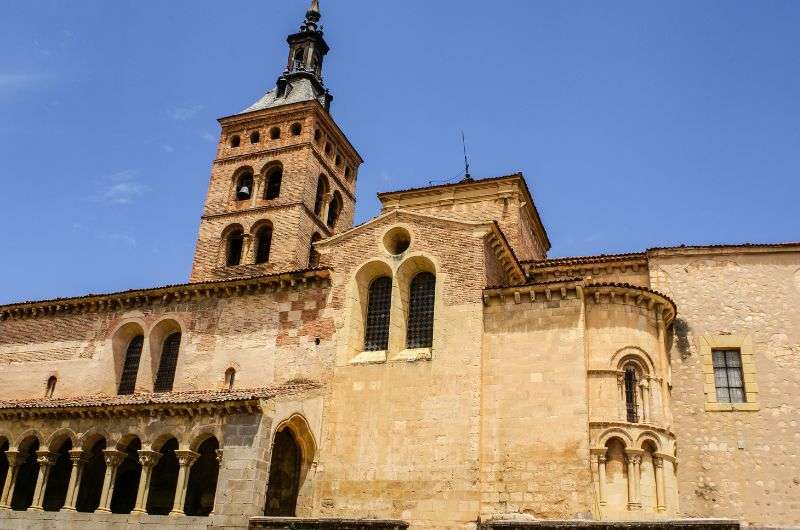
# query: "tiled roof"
[451,184]
[582,260]
[186,397]
[631,286]
[733,246]
[300,90]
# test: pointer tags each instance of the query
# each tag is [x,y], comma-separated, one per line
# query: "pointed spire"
[313,15]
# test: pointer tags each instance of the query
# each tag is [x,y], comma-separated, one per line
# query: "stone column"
[148,459]
[15,459]
[46,460]
[621,405]
[219,453]
[658,464]
[645,391]
[326,202]
[113,459]
[78,461]
[186,459]
[634,460]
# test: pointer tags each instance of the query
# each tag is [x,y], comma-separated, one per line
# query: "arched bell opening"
[55,495]
[94,471]
[27,474]
[203,480]
[164,480]
[126,484]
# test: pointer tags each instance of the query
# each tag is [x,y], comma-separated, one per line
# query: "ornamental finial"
[312,17]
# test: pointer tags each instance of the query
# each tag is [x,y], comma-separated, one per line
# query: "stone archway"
[203,480]
[27,474]
[94,471]
[284,475]
[55,494]
[164,480]
[126,483]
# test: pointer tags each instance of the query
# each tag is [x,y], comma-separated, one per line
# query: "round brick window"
[397,240]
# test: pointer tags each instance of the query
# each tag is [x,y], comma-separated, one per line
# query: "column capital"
[114,457]
[658,461]
[78,456]
[15,458]
[149,458]
[186,457]
[218,453]
[46,458]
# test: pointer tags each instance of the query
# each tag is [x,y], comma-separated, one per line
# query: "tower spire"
[313,15]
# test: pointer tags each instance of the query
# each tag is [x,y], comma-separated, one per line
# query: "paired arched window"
[631,390]
[422,295]
[130,368]
[244,186]
[263,243]
[234,248]
[376,330]
[168,363]
[274,179]
[313,255]
[322,189]
[334,209]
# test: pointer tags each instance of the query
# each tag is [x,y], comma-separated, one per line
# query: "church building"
[429,368]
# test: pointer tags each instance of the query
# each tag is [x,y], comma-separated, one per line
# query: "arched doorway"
[126,484]
[203,480]
[27,474]
[94,471]
[57,481]
[284,475]
[164,480]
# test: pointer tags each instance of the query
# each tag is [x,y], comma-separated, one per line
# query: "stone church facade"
[429,368]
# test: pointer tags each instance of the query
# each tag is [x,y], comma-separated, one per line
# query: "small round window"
[397,240]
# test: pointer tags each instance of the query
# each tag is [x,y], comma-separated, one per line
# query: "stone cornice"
[535,292]
[583,267]
[611,293]
[95,303]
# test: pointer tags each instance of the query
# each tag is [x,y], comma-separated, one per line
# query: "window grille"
[169,362]
[376,333]
[630,395]
[273,190]
[235,243]
[127,383]
[728,376]
[420,311]
[263,244]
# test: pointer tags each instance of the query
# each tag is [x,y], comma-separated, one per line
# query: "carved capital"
[634,459]
[15,458]
[78,456]
[658,461]
[149,458]
[219,455]
[46,458]
[601,459]
[113,457]
[186,457]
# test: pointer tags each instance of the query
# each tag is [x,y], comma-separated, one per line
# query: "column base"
[36,509]
[634,505]
[176,513]
[138,512]
[68,509]
[661,508]
[102,510]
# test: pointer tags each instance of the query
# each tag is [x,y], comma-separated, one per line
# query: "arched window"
[298,57]
[422,295]
[91,484]
[168,363]
[328,149]
[255,137]
[338,161]
[275,133]
[334,209]
[348,173]
[376,331]
[244,186]
[322,189]
[234,250]
[317,135]
[284,475]
[27,473]
[55,494]
[296,129]
[51,386]
[631,384]
[263,243]
[235,140]
[230,378]
[274,178]
[127,382]
[313,255]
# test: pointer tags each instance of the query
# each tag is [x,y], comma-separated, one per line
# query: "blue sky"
[637,123]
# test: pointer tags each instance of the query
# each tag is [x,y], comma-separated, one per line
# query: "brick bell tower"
[284,175]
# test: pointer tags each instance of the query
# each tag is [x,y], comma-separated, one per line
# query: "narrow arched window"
[255,137]
[234,250]
[230,376]
[235,140]
[313,255]
[275,133]
[376,330]
[51,386]
[169,362]
[263,243]
[631,383]
[422,295]
[348,173]
[244,186]
[274,179]
[296,129]
[328,149]
[334,209]
[317,135]
[322,189]
[130,368]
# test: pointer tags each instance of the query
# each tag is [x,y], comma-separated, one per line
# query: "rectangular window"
[728,376]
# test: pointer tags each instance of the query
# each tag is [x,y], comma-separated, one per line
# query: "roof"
[734,246]
[297,90]
[187,397]
[582,260]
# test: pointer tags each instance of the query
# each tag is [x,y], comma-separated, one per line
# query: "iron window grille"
[264,244]
[169,362]
[420,312]
[630,395]
[127,383]
[376,333]
[728,377]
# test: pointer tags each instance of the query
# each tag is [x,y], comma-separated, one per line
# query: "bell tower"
[284,175]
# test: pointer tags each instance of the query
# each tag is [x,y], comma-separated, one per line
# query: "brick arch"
[614,432]
[649,436]
[59,436]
